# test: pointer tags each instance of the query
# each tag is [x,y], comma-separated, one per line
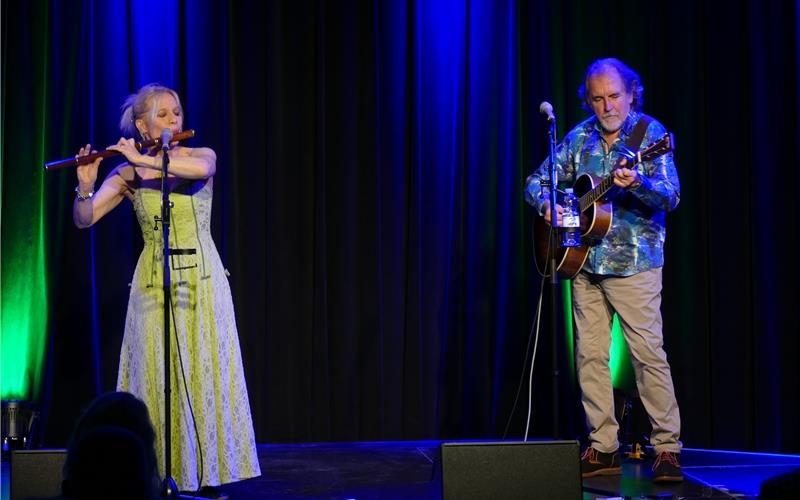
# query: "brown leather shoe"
[667,468]
[596,463]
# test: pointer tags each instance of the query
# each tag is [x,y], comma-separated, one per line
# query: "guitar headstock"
[662,146]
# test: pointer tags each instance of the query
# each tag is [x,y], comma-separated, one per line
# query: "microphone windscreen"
[166,136]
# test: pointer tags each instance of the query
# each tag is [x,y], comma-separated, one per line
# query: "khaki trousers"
[637,301]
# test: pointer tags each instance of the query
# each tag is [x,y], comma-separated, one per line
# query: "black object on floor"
[412,470]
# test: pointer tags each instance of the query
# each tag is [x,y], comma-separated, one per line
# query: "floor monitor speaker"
[511,470]
[36,473]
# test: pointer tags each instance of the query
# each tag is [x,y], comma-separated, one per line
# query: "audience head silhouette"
[112,451]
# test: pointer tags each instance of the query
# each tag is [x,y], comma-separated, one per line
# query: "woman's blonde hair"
[139,103]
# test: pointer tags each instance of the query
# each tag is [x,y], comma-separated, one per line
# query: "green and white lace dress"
[207,346]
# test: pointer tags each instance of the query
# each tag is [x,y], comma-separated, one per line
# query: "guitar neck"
[602,187]
[662,146]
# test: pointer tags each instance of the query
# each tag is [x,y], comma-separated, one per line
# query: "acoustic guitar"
[596,214]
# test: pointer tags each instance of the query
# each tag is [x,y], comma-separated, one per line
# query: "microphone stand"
[168,489]
[553,241]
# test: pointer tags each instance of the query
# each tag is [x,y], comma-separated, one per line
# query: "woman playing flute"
[212,439]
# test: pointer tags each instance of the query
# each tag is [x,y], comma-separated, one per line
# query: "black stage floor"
[409,469]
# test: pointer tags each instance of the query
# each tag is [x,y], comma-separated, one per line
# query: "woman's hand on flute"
[127,147]
[87,174]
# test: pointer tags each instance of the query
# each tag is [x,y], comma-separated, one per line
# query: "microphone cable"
[532,334]
[180,360]
[188,396]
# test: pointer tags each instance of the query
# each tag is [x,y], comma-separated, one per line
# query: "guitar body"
[596,216]
[596,221]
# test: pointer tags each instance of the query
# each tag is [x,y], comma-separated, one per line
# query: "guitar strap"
[634,141]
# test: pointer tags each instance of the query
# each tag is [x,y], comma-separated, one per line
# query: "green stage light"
[622,376]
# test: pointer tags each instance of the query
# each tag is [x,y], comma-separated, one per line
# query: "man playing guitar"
[620,270]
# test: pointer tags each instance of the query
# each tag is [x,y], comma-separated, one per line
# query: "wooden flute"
[83,160]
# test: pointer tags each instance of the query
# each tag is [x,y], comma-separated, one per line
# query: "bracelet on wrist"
[83,196]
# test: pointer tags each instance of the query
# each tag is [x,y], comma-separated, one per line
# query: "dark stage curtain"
[369,200]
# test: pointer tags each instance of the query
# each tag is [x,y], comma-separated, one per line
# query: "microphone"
[166,138]
[546,108]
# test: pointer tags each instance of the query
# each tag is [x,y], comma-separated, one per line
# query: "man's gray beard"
[609,131]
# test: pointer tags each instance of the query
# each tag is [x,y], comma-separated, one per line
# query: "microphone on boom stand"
[547,109]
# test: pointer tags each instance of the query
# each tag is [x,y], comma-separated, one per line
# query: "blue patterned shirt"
[635,242]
